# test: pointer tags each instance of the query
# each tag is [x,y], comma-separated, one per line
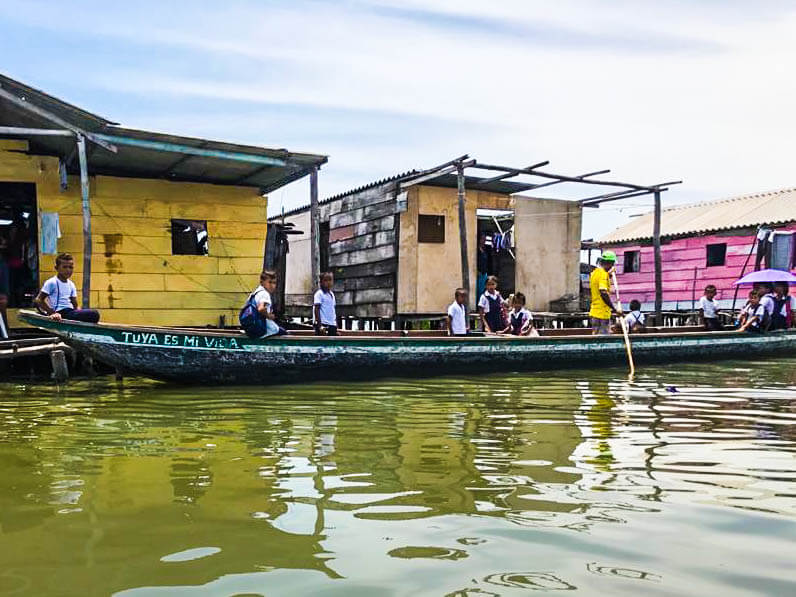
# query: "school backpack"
[254,324]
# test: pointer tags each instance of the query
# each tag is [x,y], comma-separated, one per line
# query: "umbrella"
[767,275]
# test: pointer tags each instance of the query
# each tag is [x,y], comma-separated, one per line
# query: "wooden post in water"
[315,228]
[656,243]
[58,362]
[463,228]
[84,189]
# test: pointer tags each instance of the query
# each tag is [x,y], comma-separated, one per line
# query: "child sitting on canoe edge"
[58,295]
[520,319]
[257,317]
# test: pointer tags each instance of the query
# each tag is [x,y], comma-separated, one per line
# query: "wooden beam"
[315,227]
[656,243]
[84,190]
[580,178]
[441,171]
[562,178]
[463,229]
[513,174]
[626,195]
[46,115]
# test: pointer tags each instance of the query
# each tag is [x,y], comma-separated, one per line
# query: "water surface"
[679,483]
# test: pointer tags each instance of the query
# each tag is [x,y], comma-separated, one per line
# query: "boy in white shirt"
[708,311]
[58,296]
[323,307]
[636,321]
[457,314]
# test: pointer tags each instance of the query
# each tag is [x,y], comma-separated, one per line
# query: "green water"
[578,481]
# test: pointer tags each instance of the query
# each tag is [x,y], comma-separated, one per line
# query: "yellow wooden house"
[174,227]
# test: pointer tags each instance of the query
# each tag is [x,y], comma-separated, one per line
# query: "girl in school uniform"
[520,319]
[490,307]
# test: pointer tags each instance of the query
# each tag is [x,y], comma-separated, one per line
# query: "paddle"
[623,323]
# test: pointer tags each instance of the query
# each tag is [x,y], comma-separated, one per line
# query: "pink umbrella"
[767,275]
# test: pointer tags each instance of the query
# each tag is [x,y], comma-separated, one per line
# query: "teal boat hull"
[193,356]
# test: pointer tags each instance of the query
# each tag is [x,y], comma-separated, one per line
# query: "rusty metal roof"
[147,154]
[773,207]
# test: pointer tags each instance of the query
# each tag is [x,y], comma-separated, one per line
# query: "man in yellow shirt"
[600,285]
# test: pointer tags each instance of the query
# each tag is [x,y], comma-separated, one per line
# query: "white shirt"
[458,315]
[635,317]
[483,302]
[792,300]
[261,295]
[708,307]
[751,311]
[523,315]
[59,293]
[327,302]
[768,302]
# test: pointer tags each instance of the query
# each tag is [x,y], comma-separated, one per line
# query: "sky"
[701,91]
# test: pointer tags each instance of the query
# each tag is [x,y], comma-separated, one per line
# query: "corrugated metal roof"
[773,207]
[145,162]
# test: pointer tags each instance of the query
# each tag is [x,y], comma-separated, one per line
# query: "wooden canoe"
[199,356]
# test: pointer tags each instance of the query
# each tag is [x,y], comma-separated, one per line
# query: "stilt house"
[164,229]
[713,242]
[395,245]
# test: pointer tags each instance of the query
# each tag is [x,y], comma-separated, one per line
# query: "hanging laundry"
[50,232]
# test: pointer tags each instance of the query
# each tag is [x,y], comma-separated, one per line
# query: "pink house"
[705,243]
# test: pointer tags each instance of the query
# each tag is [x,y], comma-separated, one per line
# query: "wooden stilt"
[656,243]
[315,227]
[463,229]
[84,190]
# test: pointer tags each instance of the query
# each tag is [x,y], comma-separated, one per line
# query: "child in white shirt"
[457,314]
[708,311]
[323,307]
[520,319]
[490,307]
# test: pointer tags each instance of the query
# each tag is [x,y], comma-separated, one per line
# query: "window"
[632,262]
[716,254]
[430,229]
[189,237]
[783,250]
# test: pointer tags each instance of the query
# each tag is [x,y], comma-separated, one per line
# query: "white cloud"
[655,90]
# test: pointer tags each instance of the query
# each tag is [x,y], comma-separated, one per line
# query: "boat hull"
[201,357]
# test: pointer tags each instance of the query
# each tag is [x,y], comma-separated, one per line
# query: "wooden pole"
[84,189]
[315,228]
[656,243]
[623,324]
[463,229]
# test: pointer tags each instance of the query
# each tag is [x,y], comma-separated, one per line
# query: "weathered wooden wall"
[685,273]
[135,278]
[363,251]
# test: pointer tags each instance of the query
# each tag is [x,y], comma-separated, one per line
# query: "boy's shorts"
[601,327]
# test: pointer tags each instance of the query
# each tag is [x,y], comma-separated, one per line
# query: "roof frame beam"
[563,178]
[511,175]
[49,116]
[190,150]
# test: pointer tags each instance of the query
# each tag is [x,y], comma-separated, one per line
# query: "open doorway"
[19,255]
[495,249]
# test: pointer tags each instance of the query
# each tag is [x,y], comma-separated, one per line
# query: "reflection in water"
[479,486]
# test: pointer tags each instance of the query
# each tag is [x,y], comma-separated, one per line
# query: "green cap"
[608,256]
